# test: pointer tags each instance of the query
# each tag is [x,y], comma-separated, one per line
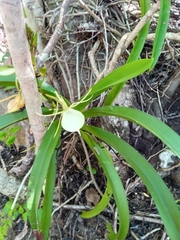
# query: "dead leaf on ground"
[92,196]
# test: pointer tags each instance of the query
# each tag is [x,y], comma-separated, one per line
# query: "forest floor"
[148,92]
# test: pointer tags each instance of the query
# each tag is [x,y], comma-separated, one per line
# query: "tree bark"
[14,25]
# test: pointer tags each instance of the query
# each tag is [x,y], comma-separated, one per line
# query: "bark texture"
[14,25]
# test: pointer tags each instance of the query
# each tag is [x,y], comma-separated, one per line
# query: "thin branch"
[146,219]
[170,36]
[129,37]
[41,58]
[98,20]
[78,193]
[91,54]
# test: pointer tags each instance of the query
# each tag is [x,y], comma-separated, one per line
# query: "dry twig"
[98,20]
[41,58]
[91,54]
[129,37]
[170,36]
[78,193]
[146,219]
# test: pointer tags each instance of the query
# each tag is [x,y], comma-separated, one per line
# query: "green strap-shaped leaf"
[119,75]
[108,192]
[139,43]
[48,197]
[14,117]
[116,186]
[39,172]
[8,80]
[163,199]
[43,87]
[161,30]
[6,70]
[100,206]
[11,118]
[151,123]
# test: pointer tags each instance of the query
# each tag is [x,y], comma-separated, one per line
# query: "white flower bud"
[72,120]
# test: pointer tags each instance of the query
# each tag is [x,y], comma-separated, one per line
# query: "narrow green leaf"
[107,194]
[130,70]
[151,123]
[10,140]
[113,94]
[39,172]
[39,216]
[139,43]
[13,130]
[11,118]
[48,197]
[100,206]
[34,39]
[163,199]
[2,135]
[120,75]
[111,232]
[7,80]
[116,186]
[6,70]
[161,30]
[43,87]
[7,88]
[42,70]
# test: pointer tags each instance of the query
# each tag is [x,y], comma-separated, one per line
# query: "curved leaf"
[11,118]
[43,87]
[14,117]
[8,80]
[116,186]
[39,172]
[48,197]
[119,75]
[108,192]
[6,70]
[139,43]
[151,123]
[100,206]
[161,30]
[162,197]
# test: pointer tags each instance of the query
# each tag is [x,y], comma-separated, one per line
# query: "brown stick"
[91,54]
[98,19]
[55,37]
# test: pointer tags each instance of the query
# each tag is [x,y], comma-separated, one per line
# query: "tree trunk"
[14,25]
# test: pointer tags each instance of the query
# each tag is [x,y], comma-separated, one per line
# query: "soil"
[148,93]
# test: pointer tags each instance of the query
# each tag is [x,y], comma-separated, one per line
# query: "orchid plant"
[72,118]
